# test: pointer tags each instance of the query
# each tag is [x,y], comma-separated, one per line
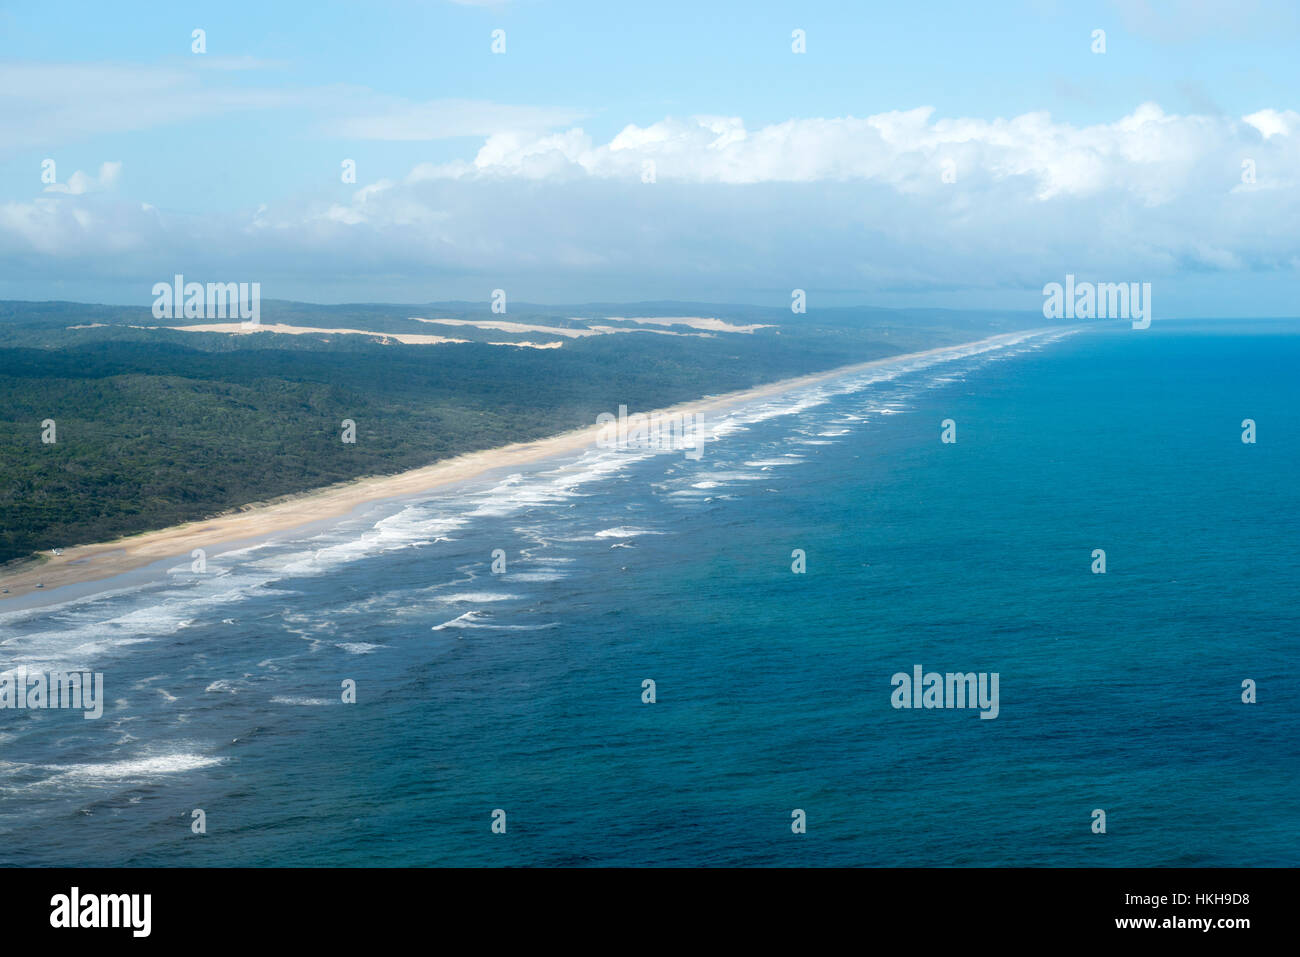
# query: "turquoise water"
[523,691]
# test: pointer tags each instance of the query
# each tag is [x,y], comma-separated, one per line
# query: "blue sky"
[944,154]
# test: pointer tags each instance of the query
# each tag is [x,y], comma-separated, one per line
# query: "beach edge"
[82,564]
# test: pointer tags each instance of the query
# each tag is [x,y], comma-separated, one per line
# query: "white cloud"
[1152,155]
[847,203]
[79,182]
[1274,123]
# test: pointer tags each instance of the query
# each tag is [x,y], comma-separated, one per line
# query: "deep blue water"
[1119,691]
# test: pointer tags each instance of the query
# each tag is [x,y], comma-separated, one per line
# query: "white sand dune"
[695,322]
[591,329]
[501,325]
[238,327]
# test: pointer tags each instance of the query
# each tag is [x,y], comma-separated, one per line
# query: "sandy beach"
[86,563]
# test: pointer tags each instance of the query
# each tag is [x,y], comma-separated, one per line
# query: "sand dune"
[695,322]
[409,338]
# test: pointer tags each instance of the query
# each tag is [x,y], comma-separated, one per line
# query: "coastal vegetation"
[154,426]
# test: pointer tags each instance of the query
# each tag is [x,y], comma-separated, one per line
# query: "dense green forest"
[156,426]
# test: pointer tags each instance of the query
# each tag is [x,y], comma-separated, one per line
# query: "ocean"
[501,719]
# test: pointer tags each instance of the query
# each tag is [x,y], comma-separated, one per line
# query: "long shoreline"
[81,564]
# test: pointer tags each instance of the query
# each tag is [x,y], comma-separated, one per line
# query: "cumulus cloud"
[1148,153]
[1274,122]
[79,182]
[855,204]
